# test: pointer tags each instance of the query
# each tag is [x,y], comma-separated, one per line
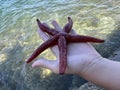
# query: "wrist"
[101,71]
[91,65]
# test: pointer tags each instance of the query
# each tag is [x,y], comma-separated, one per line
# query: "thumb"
[48,64]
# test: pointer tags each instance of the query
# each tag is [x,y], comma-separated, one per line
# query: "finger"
[55,51]
[45,37]
[73,32]
[48,64]
[42,34]
[56,25]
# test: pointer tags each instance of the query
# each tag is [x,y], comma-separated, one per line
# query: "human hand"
[79,55]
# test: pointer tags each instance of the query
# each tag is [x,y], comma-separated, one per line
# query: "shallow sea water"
[19,37]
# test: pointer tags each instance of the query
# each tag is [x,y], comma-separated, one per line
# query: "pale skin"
[85,61]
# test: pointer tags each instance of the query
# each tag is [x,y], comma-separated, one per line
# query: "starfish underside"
[62,39]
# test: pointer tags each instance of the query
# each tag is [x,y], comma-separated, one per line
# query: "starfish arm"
[47,29]
[62,44]
[82,38]
[67,28]
[50,42]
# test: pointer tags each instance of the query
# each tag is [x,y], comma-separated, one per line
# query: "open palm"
[78,55]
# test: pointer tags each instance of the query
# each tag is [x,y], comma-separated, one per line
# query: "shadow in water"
[10,76]
[111,44]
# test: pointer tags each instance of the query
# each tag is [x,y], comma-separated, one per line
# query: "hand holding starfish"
[63,38]
[79,54]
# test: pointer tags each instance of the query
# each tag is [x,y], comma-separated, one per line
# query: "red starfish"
[61,39]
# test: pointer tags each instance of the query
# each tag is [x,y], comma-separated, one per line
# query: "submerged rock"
[90,86]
